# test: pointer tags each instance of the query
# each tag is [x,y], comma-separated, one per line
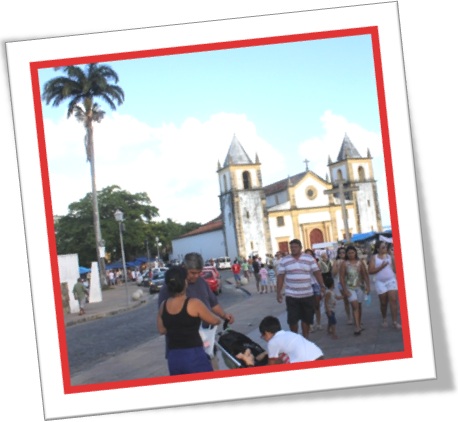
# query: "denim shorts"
[331,319]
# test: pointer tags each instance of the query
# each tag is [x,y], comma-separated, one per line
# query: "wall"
[209,245]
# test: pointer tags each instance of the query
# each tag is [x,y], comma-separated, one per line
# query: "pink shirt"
[263,273]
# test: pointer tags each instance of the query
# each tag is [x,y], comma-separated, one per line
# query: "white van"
[223,263]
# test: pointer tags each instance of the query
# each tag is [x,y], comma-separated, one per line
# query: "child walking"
[272,279]
[264,276]
[330,300]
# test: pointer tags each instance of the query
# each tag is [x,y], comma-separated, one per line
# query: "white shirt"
[296,346]
[298,275]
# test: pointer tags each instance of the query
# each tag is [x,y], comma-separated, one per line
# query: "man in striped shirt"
[294,273]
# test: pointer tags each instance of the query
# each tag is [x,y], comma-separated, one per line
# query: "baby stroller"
[231,343]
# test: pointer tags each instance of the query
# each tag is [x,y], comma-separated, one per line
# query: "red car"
[212,278]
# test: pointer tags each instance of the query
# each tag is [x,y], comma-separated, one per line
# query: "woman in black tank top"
[179,318]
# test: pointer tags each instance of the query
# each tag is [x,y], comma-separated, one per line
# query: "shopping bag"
[208,339]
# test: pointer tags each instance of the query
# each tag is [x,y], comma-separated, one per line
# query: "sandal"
[358,332]
[384,324]
[396,325]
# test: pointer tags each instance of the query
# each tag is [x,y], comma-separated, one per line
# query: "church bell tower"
[243,204]
[353,174]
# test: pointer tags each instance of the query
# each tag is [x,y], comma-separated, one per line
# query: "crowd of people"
[310,284]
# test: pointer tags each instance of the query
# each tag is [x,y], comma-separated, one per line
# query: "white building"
[208,240]
[257,219]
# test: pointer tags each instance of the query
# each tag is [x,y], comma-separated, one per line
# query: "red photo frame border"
[34,68]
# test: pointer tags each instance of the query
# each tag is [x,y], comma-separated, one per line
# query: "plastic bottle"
[367,299]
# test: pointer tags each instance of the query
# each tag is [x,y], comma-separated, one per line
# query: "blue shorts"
[188,361]
[331,319]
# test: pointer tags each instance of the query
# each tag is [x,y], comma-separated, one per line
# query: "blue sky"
[286,102]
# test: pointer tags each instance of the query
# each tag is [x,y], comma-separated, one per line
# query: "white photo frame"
[379,20]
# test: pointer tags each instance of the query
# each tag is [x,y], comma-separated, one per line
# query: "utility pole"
[147,251]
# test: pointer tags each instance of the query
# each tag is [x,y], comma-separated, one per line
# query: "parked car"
[223,263]
[174,262]
[213,270]
[212,280]
[157,282]
[146,282]
[159,270]
[145,279]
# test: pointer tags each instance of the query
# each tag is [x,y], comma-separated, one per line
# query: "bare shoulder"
[195,303]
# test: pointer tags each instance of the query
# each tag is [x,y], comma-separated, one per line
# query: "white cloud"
[64,138]
[335,127]
[176,165]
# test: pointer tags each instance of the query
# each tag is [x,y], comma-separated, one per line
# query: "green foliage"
[75,234]
[82,86]
[166,231]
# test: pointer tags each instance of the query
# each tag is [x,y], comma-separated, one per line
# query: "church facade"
[260,220]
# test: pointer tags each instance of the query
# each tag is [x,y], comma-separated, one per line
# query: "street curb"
[106,314]
[100,315]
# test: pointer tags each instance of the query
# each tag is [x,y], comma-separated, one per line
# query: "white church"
[261,220]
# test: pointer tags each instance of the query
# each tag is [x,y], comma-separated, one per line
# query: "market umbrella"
[84,270]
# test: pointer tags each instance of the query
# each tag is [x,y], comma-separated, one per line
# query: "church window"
[225,183]
[276,200]
[280,221]
[361,174]
[247,214]
[369,203]
[311,192]
[246,180]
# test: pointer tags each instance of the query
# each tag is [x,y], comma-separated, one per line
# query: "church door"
[316,236]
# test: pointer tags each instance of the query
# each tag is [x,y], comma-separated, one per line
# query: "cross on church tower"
[306,164]
[342,191]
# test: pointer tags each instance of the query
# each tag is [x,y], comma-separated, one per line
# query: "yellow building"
[262,219]
[257,219]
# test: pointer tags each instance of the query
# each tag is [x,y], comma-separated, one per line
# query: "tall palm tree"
[81,87]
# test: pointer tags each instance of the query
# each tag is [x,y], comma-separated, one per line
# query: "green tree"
[166,231]
[73,234]
[81,87]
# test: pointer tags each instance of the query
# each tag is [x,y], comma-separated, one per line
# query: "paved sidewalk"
[114,301]
[147,360]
